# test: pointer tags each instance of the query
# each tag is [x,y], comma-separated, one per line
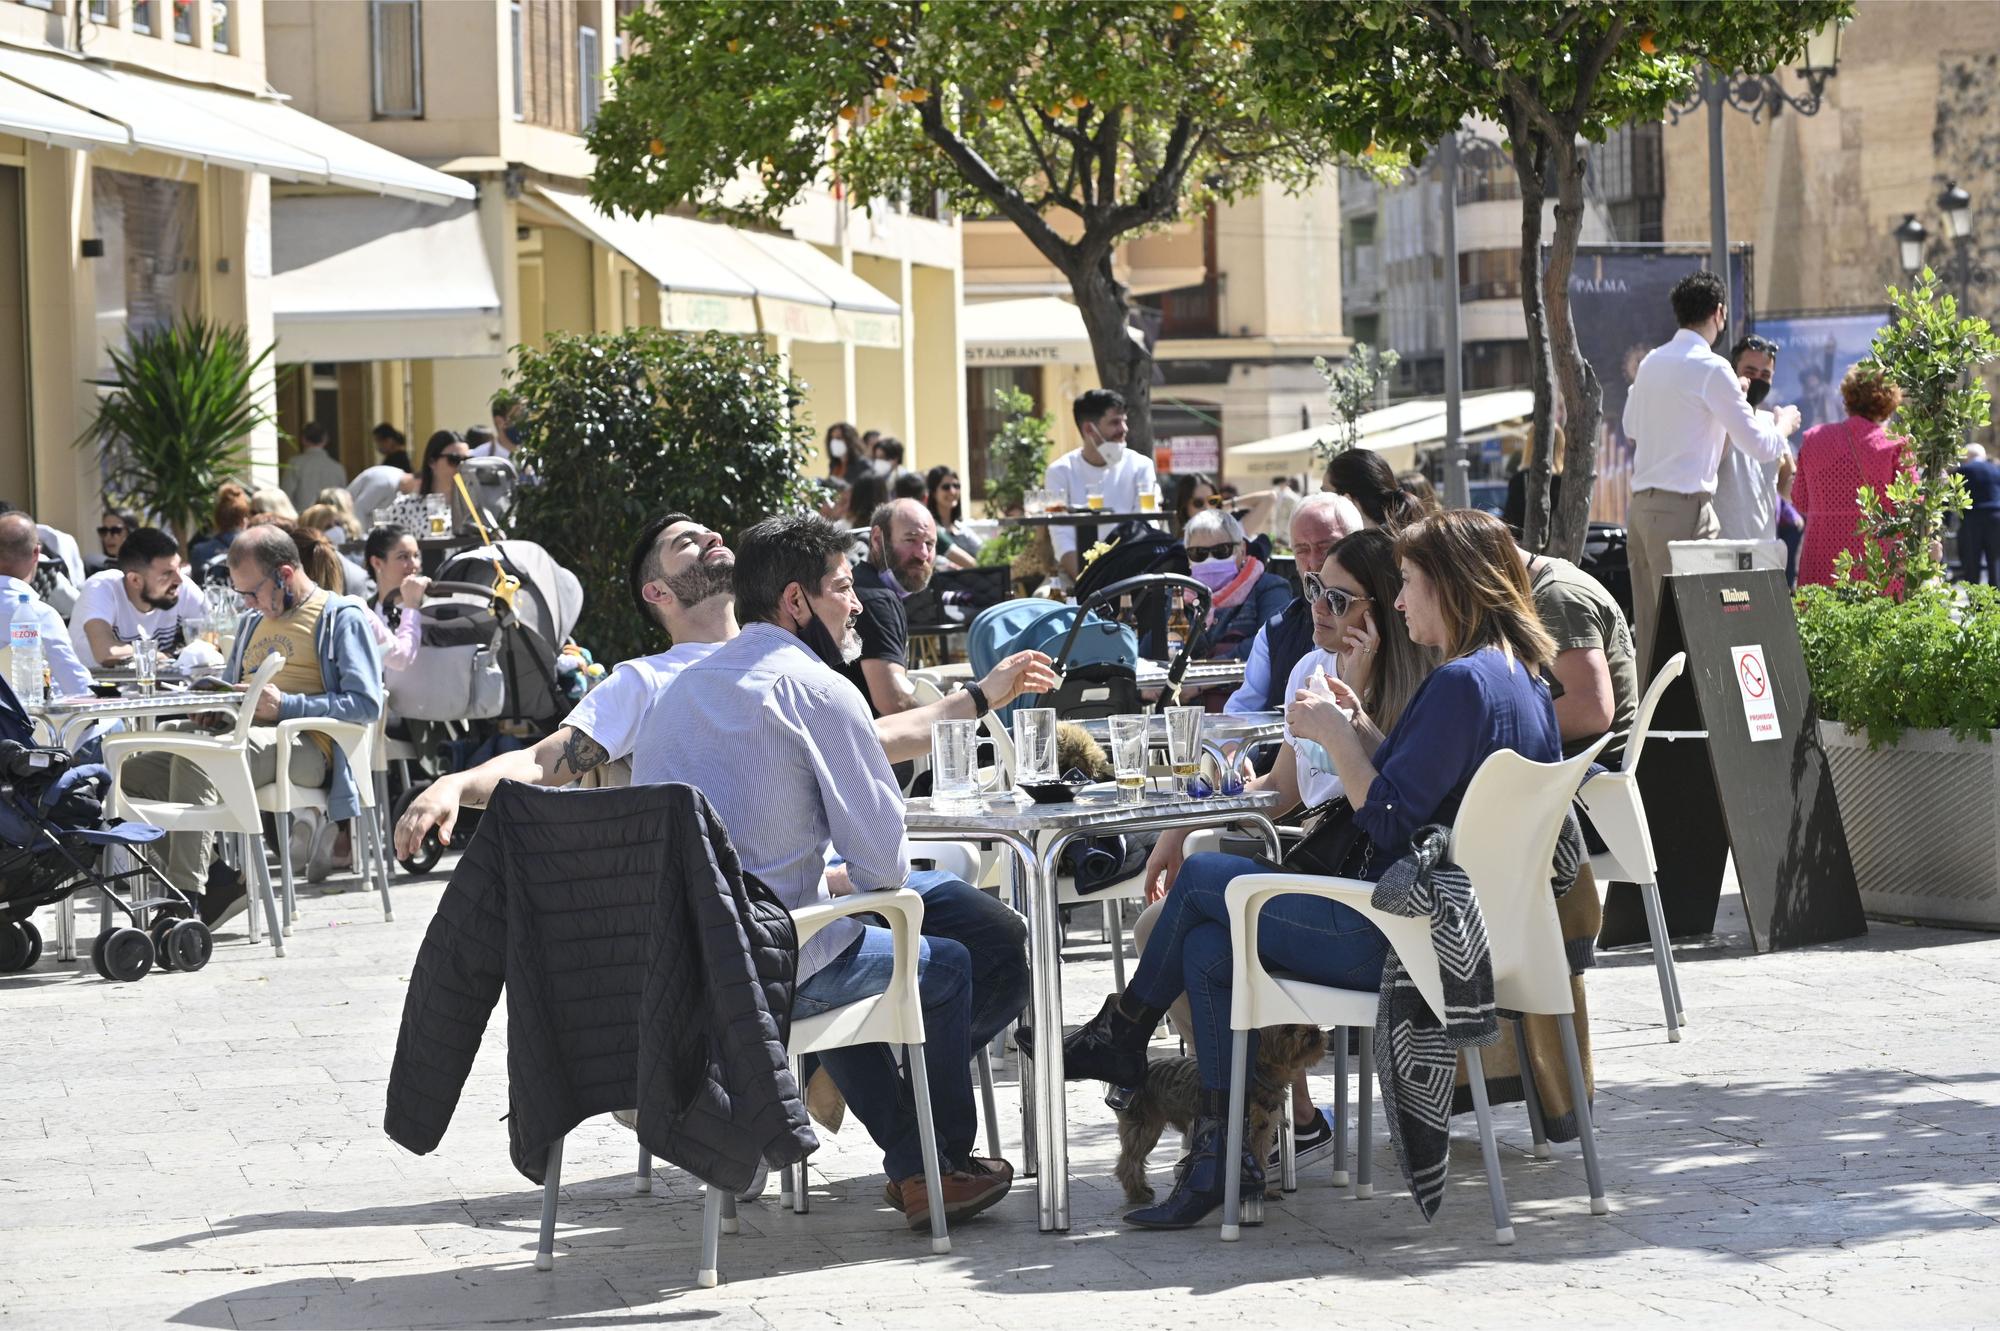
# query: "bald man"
[1319,523]
[902,549]
[20,551]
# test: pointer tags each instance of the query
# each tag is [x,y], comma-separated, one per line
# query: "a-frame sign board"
[1735,762]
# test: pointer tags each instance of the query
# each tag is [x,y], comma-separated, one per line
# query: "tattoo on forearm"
[581,753]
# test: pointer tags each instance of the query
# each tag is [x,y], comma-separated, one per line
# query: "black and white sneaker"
[1309,1144]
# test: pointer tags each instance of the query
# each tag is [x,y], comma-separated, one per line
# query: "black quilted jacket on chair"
[642,967]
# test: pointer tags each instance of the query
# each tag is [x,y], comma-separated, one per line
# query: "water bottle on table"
[25,670]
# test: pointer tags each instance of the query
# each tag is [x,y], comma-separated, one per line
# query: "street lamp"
[1955,205]
[1910,238]
[1754,94]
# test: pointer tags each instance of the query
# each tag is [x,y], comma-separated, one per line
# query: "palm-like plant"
[172,429]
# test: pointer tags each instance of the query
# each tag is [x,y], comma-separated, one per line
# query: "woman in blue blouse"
[1465,593]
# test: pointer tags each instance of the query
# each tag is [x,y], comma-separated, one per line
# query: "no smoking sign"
[1753,681]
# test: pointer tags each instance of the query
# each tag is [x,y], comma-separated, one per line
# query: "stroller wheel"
[122,954]
[19,946]
[189,946]
[158,930]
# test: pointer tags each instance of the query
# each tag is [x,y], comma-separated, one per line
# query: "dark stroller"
[53,835]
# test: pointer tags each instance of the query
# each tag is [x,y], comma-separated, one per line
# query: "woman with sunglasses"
[1193,493]
[1243,593]
[112,529]
[444,453]
[956,547]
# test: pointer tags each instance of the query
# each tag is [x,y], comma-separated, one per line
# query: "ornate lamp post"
[1753,94]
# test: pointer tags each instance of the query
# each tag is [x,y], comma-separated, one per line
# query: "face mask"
[513,436]
[1214,574]
[1111,450]
[836,448]
[1759,390]
[820,642]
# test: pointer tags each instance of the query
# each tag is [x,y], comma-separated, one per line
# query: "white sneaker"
[321,862]
[305,830]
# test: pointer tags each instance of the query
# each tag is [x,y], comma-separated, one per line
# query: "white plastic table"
[1037,835]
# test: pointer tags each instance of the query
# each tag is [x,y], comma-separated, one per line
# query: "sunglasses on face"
[1338,598]
[453,458]
[110,531]
[1213,501]
[1202,554]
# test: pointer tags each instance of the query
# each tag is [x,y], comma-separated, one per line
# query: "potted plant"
[621,427]
[1017,459]
[1906,664]
[182,401]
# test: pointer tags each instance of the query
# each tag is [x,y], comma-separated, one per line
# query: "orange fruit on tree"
[1180,12]
[734,46]
[915,95]
[657,148]
[848,113]
[889,81]
[1647,44]
[1078,102]
[996,103]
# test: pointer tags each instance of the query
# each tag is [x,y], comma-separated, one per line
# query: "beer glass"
[1184,741]
[1034,745]
[955,763]
[1128,753]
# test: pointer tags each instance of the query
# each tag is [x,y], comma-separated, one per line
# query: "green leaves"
[172,429]
[622,427]
[1352,387]
[1884,666]
[1019,451]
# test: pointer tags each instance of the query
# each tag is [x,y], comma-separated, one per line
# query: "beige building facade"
[1238,301]
[863,303]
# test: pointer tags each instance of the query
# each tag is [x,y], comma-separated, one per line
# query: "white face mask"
[836,448]
[1111,450]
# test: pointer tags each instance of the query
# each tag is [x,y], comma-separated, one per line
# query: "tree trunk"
[1583,396]
[1526,146]
[1122,364]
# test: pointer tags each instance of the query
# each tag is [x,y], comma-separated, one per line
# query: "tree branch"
[1590,70]
[1010,201]
[1041,158]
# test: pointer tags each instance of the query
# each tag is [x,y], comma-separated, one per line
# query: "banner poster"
[1620,300]
[1814,352]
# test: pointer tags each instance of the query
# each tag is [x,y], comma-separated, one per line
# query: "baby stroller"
[495,622]
[53,835]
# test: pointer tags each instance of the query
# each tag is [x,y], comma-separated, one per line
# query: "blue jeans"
[867,1075]
[994,935]
[1326,942]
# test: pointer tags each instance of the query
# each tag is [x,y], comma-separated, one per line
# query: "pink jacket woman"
[1835,461]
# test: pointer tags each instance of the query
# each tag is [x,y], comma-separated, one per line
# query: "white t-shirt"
[1317,784]
[103,598]
[614,712]
[65,671]
[1073,478]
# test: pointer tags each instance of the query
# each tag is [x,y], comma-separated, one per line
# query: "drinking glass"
[1034,503]
[1184,741]
[1034,745]
[145,663]
[955,763]
[1149,499]
[1128,753]
[437,515]
[1094,498]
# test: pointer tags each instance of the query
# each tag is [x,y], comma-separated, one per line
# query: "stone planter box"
[1922,818]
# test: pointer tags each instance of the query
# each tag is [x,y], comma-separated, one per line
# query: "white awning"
[25,112]
[697,292]
[1040,330]
[247,133]
[357,278]
[349,161]
[147,108]
[787,304]
[866,316]
[1396,431]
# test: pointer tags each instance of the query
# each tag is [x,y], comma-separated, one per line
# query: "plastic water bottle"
[26,640]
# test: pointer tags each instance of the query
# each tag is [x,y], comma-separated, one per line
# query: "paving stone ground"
[1823,1150]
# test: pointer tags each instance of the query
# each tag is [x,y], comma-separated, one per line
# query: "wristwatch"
[980,707]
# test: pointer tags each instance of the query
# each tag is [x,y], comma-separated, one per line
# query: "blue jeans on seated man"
[1325,942]
[994,935]
[867,1075]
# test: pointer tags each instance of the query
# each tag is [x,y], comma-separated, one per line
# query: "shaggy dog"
[1173,1090]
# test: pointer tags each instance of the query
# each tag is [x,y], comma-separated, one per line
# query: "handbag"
[1334,846]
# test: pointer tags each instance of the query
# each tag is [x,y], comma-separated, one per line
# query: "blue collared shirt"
[785,750]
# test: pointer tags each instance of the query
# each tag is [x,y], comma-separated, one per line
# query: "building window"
[397,42]
[100,11]
[983,417]
[146,277]
[1489,275]
[218,24]
[142,16]
[520,65]
[184,21]
[589,77]
[39,4]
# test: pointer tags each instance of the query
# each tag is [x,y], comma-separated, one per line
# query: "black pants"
[1979,543]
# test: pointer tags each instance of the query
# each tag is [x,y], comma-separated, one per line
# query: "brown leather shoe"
[967,1192]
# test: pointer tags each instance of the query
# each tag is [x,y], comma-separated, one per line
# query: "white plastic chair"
[284,800]
[1504,838]
[225,761]
[894,1016]
[1619,814]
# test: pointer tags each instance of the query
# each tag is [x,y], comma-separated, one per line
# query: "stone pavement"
[205,1150]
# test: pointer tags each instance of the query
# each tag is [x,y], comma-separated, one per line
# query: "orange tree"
[1082,123]
[1556,75]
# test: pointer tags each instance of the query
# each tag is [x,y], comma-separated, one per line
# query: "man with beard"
[902,549]
[1746,489]
[145,596]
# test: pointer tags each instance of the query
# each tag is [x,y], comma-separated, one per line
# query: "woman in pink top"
[1835,461]
[397,566]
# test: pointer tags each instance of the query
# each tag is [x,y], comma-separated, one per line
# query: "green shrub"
[624,426]
[1018,453]
[1923,663]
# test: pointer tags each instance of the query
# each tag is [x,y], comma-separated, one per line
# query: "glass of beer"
[1184,742]
[145,663]
[1094,498]
[1128,753]
[1149,499]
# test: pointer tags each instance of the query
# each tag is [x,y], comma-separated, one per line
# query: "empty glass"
[145,663]
[1128,753]
[955,763]
[1034,745]
[1184,741]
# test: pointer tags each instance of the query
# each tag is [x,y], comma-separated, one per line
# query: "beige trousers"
[1657,517]
[160,776]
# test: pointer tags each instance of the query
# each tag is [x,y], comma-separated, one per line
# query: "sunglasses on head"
[1200,554]
[1339,598]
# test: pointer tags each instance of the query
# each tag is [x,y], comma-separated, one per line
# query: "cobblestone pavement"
[206,1150]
